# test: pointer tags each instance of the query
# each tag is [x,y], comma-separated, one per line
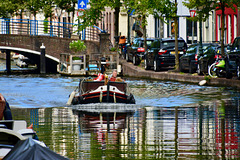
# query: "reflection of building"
[207,131]
[58,128]
[227,132]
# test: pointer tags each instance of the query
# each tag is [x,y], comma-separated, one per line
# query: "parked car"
[234,53]
[207,58]
[135,52]
[162,53]
[190,61]
[234,57]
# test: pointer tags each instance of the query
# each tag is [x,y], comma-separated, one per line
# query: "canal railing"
[48,28]
[84,64]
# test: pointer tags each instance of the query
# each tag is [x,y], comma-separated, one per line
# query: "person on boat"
[114,77]
[5,111]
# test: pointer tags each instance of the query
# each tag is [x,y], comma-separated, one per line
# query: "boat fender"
[100,77]
[100,97]
[114,97]
[202,82]
[69,102]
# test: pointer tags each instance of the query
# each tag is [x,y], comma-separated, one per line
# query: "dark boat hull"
[97,92]
[95,98]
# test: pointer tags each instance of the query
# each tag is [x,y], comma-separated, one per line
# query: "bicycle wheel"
[211,71]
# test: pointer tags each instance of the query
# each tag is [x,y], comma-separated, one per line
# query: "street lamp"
[192,14]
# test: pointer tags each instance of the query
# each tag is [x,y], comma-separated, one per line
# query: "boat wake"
[107,107]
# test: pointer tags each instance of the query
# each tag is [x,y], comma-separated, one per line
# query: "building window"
[229,29]
[190,27]
[157,28]
[235,26]
[219,28]
[110,22]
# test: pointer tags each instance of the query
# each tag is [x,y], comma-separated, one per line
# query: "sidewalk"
[128,69]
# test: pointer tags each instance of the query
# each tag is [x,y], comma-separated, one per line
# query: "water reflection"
[101,132]
[171,121]
[189,132]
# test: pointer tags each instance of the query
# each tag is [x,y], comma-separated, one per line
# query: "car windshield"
[140,43]
[219,50]
[169,44]
[191,49]
[149,42]
[236,44]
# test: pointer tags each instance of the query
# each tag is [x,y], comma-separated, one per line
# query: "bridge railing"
[47,28]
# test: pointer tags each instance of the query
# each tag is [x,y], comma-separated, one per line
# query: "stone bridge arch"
[30,46]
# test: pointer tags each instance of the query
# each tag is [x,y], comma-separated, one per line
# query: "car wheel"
[155,66]
[191,68]
[127,58]
[229,74]
[180,67]
[135,60]
[124,55]
[199,72]
[146,66]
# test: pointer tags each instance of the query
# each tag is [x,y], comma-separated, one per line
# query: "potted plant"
[77,46]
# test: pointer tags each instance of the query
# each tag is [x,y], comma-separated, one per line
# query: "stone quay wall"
[128,69]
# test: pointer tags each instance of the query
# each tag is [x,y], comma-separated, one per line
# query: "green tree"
[34,6]
[7,8]
[68,6]
[203,8]
[165,10]
[94,14]
[48,8]
[142,8]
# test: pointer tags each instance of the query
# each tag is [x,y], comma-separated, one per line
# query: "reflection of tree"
[58,130]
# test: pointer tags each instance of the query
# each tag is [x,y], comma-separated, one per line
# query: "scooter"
[218,69]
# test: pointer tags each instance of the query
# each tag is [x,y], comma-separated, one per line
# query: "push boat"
[101,91]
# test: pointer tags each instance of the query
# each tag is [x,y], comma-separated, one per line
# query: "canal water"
[170,120]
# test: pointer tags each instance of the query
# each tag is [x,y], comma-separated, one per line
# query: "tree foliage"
[6,8]
[204,8]
[48,8]
[34,6]
[94,14]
